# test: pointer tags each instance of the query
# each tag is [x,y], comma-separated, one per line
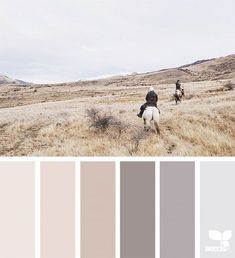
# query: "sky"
[50,41]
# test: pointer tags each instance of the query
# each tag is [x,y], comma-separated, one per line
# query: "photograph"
[117,78]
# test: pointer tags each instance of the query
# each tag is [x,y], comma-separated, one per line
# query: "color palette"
[121,209]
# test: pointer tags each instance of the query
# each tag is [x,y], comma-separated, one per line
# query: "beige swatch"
[97,210]
[17,223]
[57,210]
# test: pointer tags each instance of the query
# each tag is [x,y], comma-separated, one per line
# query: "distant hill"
[201,70]
[222,68]
[9,81]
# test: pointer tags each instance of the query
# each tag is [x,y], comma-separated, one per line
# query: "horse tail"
[156,119]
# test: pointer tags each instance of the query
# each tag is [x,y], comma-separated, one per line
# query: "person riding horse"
[151,100]
[179,87]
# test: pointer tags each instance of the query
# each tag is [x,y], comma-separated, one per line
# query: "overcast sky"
[68,40]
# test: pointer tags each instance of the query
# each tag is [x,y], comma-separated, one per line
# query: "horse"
[178,96]
[151,114]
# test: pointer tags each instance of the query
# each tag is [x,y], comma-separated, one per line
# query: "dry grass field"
[52,120]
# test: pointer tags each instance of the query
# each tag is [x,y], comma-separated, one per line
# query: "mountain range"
[202,70]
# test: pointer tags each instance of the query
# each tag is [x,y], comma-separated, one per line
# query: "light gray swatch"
[217,209]
[137,210]
[177,210]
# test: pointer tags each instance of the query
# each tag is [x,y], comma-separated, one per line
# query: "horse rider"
[151,100]
[179,87]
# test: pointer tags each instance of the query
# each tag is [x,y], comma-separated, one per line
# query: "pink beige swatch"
[57,210]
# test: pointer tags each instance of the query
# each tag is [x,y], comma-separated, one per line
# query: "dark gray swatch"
[137,210]
[177,210]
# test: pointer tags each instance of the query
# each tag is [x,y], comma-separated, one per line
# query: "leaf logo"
[215,235]
[222,237]
[227,235]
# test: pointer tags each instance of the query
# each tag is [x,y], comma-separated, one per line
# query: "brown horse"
[178,96]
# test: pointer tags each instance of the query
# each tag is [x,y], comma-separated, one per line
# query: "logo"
[222,239]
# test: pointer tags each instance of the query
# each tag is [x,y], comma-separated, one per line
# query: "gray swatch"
[137,210]
[177,210]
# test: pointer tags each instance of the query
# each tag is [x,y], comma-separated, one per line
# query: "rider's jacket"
[151,98]
[178,86]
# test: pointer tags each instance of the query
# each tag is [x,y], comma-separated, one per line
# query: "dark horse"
[178,96]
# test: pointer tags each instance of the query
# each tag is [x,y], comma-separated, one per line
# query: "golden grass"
[202,125]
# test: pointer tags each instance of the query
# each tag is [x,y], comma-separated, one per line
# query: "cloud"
[52,41]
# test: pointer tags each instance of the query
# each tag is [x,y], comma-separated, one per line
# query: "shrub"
[136,139]
[229,86]
[102,121]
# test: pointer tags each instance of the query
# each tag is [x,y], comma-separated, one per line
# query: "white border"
[142,158]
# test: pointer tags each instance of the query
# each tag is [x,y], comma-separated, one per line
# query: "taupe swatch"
[137,210]
[97,210]
[177,211]
[17,206]
[57,210]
